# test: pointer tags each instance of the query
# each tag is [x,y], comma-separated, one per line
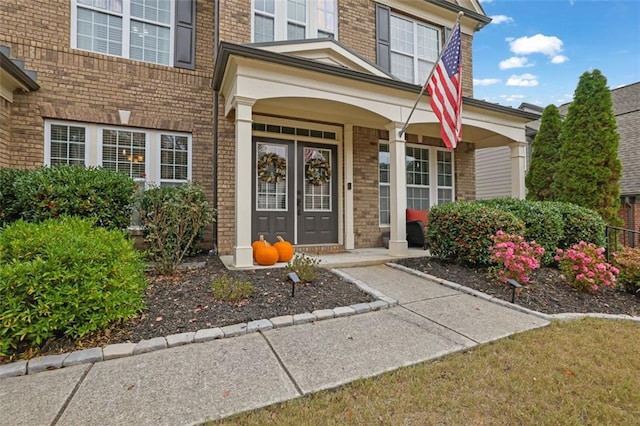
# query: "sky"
[535,50]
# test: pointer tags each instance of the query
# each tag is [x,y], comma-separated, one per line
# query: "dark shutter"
[185,37]
[383,37]
[447,34]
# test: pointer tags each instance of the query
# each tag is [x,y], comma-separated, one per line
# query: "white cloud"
[547,45]
[486,1]
[485,81]
[501,19]
[515,62]
[559,59]
[524,80]
[512,98]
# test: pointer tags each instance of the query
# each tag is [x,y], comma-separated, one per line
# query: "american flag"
[445,89]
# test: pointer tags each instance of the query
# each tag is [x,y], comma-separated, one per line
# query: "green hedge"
[460,232]
[104,196]
[9,211]
[580,224]
[174,219]
[542,220]
[65,277]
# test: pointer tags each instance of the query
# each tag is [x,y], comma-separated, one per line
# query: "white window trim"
[93,149]
[433,174]
[158,155]
[126,35]
[281,20]
[417,78]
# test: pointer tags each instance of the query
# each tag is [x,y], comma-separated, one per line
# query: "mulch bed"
[184,301]
[547,292]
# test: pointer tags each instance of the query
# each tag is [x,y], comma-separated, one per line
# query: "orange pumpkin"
[258,244]
[285,250]
[265,254]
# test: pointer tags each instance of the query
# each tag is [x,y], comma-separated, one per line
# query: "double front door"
[295,191]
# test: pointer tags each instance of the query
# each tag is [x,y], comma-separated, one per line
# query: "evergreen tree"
[545,156]
[589,170]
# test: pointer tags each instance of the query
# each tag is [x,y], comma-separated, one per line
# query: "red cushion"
[414,215]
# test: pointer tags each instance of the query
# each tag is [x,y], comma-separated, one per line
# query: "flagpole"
[424,86]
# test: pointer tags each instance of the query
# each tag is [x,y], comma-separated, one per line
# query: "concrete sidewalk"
[193,383]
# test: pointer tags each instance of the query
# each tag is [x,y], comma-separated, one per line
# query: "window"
[66,144]
[152,156]
[414,49]
[135,29]
[275,20]
[421,162]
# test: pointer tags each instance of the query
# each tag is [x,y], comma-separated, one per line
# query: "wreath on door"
[272,168]
[318,171]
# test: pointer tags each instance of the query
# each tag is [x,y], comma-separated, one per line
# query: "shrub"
[517,257]
[9,211]
[461,231]
[305,266]
[580,224]
[173,219]
[627,261]
[102,195]
[231,289]
[586,268]
[65,277]
[545,154]
[543,223]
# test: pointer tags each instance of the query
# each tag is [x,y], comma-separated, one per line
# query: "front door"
[295,191]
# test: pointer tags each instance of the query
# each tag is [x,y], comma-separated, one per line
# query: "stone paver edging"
[119,350]
[479,294]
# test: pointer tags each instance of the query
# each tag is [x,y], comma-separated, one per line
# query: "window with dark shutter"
[185,35]
[383,37]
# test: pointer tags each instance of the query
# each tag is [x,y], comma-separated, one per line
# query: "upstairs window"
[277,20]
[414,49]
[135,29]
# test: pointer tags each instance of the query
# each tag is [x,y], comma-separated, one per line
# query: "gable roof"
[228,50]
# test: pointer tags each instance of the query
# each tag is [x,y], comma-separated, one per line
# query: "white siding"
[493,172]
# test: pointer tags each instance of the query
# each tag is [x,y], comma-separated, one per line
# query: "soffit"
[327,51]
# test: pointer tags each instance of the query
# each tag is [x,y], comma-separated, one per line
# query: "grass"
[572,373]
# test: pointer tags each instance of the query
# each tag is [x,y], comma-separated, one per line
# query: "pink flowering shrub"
[627,261]
[516,257]
[586,268]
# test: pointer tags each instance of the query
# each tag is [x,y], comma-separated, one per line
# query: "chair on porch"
[417,221]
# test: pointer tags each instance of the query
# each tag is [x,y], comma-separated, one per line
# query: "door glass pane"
[317,179]
[271,177]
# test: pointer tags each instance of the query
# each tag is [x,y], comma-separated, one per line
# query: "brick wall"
[5,131]
[226,181]
[235,21]
[365,187]
[467,65]
[357,27]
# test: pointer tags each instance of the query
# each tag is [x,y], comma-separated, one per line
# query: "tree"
[588,173]
[545,156]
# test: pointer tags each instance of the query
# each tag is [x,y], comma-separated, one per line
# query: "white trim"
[126,29]
[94,142]
[281,20]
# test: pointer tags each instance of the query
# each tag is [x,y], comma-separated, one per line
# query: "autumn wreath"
[272,168]
[318,171]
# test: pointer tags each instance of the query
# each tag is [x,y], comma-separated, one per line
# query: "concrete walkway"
[193,383]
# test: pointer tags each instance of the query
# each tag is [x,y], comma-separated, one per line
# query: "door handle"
[299,203]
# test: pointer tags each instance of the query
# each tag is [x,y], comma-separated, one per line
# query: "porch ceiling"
[320,110]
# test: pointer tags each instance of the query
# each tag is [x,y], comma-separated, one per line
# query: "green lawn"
[578,372]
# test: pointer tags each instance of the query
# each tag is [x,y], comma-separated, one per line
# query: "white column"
[242,252]
[349,236]
[518,167]
[398,239]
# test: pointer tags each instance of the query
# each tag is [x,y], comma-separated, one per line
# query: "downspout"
[627,202]
[216,37]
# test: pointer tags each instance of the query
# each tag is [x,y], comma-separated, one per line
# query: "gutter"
[18,73]
[216,102]
[227,50]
